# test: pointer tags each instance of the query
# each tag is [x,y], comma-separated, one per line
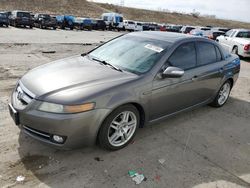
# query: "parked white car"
[236,41]
[129,25]
[138,26]
[113,20]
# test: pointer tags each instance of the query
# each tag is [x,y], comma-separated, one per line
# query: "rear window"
[23,14]
[184,56]
[207,53]
[245,34]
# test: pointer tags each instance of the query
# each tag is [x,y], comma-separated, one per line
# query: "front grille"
[22,96]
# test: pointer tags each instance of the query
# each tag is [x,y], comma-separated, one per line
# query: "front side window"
[131,53]
[184,56]
[229,33]
[207,53]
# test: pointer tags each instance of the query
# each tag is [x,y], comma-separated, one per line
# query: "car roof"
[241,29]
[164,36]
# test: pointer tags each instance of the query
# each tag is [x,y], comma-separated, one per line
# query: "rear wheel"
[222,95]
[119,128]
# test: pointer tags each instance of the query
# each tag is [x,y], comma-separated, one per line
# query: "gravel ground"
[203,148]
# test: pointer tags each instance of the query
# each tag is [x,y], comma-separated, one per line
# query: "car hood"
[69,73]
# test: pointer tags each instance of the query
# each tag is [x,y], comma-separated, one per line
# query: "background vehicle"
[21,18]
[173,28]
[113,21]
[186,29]
[4,20]
[82,23]
[129,25]
[138,26]
[236,41]
[145,26]
[98,24]
[162,27]
[213,34]
[65,21]
[153,26]
[44,21]
[196,32]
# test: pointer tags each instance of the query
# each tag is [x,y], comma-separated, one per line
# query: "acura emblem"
[19,93]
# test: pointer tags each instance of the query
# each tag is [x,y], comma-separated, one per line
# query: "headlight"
[58,108]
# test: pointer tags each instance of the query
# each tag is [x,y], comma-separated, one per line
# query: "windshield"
[131,53]
[23,14]
[245,34]
[45,16]
[2,15]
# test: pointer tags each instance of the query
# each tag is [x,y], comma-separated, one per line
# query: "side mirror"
[173,72]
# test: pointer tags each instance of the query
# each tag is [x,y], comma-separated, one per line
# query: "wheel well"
[141,112]
[234,46]
[231,81]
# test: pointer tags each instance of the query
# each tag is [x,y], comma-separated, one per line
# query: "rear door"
[209,69]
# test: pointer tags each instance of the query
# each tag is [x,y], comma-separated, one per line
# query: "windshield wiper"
[107,64]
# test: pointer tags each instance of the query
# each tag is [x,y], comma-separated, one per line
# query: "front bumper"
[78,129]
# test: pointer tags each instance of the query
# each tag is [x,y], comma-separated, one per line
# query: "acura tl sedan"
[105,95]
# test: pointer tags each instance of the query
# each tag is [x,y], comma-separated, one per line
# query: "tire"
[118,129]
[218,102]
[31,26]
[235,50]
[54,28]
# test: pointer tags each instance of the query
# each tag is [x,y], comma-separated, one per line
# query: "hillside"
[90,9]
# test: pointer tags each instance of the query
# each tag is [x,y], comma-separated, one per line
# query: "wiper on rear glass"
[106,63]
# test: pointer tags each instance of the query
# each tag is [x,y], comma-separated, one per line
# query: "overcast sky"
[226,9]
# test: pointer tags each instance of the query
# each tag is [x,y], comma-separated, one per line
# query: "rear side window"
[218,54]
[207,53]
[184,56]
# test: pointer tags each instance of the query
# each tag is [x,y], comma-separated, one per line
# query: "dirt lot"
[203,148]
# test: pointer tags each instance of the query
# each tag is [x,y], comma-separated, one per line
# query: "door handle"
[194,78]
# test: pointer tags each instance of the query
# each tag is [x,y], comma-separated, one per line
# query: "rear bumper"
[245,54]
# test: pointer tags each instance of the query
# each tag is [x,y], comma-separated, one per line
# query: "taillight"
[246,47]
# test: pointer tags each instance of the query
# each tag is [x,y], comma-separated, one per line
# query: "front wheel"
[119,128]
[222,95]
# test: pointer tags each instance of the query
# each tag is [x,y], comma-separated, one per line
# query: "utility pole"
[122,3]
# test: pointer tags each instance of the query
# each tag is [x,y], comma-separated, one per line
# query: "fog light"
[58,139]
